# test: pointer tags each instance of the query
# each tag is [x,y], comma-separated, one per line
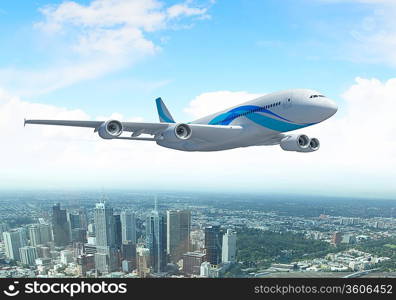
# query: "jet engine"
[314,145]
[110,129]
[177,132]
[295,142]
[183,131]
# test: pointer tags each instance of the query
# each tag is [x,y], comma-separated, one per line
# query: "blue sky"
[255,46]
[196,48]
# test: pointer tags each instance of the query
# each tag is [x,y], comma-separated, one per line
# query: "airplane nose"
[331,107]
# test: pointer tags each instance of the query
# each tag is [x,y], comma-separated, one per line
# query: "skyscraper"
[229,246]
[74,223]
[156,240]
[28,255]
[34,235]
[60,226]
[45,233]
[178,224]
[213,244]
[128,253]
[104,225]
[3,228]
[128,226]
[83,218]
[117,231]
[13,240]
[105,257]
[39,234]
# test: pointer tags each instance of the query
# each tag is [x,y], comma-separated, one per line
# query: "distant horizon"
[296,196]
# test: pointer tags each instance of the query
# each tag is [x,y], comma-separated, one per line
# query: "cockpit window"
[314,96]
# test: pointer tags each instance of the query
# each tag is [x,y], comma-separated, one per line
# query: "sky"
[101,59]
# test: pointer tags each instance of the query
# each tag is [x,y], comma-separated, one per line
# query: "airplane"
[259,122]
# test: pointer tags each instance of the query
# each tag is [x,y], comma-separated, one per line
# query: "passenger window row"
[233,116]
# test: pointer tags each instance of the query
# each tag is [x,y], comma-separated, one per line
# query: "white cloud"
[372,40]
[357,156]
[100,37]
[178,10]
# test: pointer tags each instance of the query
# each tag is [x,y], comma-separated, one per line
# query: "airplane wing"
[271,140]
[137,128]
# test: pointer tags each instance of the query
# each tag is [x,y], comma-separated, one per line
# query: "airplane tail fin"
[163,112]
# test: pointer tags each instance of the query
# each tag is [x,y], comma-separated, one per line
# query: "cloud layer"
[96,39]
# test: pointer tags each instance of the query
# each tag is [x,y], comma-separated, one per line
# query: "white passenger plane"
[259,122]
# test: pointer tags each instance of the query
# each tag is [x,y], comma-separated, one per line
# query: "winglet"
[163,112]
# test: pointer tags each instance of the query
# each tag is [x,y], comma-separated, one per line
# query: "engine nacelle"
[314,145]
[297,142]
[178,132]
[110,129]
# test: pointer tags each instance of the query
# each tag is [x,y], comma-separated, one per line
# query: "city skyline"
[241,237]
[135,51]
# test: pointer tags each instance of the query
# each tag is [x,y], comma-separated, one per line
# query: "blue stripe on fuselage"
[255,114]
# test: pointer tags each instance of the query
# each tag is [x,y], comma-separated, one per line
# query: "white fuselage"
[261,121]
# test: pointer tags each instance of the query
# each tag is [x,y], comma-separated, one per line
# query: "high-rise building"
[3,228]
[79,235]
[117,230]
[39,234]
[197,238]
[128,226]
[143,262]
[105,256]
[77,221]
[74,223]
[104,225]
[213,244]
[43,252]
[60,226]
[13,240]
[229,246]
[28,255]
[192,262]
[34,235]
[45,233]
[156,240]
[128,251]
[83,218]
[178,223]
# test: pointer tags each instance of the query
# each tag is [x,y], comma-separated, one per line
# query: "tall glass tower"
[60,226]
[128,226]
[156,240]
[178,233]
[105,257]
[213,244]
